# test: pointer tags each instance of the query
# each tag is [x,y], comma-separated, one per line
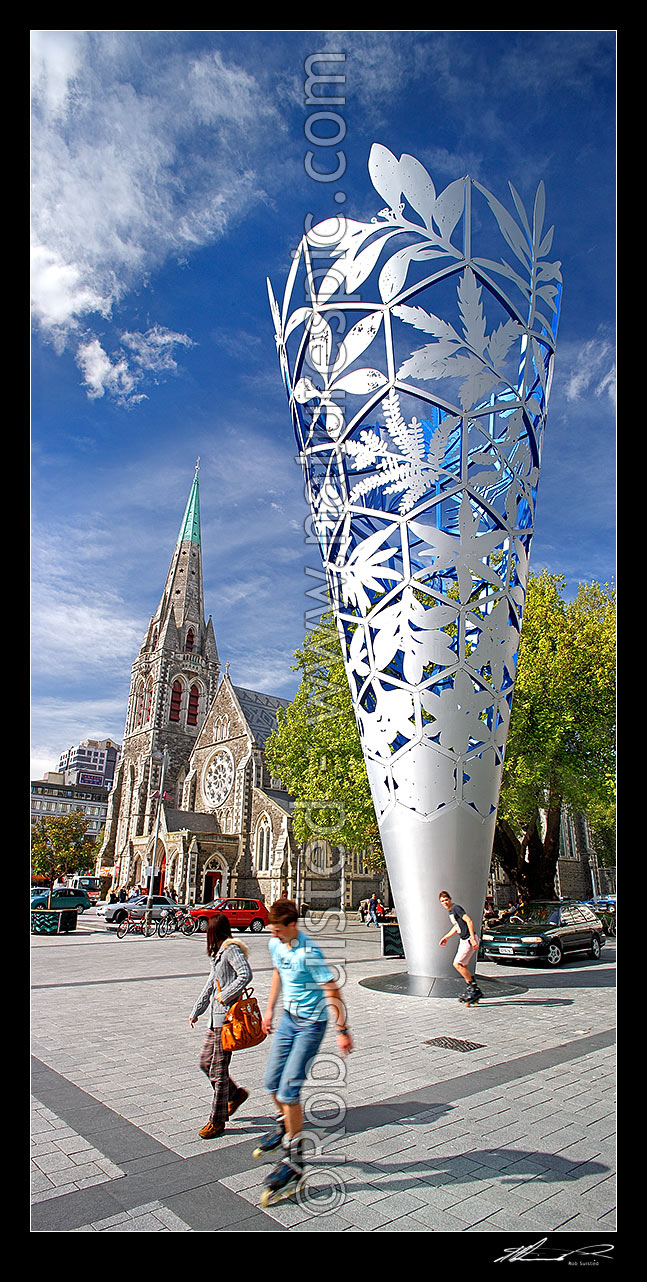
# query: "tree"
[317,753]
[561,742]
[59,846]
[560,748]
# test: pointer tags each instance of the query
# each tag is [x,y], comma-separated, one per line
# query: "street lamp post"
[160,796]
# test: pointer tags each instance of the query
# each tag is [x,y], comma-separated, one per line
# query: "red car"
[240,913]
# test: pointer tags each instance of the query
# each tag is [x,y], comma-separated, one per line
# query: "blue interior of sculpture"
[418,378]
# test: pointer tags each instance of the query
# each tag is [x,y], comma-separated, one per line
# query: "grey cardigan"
[231,970]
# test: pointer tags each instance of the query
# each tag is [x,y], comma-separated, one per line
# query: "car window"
[537,914]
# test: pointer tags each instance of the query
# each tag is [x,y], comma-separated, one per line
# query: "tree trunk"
[529,861]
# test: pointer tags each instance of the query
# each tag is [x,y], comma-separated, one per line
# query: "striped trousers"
[214,1061]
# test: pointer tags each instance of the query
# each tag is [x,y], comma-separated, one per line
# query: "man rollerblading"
[305,983]
[467,948]
[273,1140]
[472,994]
[283,1182]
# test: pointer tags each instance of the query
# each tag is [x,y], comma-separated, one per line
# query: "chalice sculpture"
[418,371]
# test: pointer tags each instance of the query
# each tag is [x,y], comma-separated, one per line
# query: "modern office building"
[52,796]
[93,762]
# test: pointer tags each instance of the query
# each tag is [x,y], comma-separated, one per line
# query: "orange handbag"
[243,1026]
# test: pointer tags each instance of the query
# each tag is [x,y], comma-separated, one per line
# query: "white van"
[91,885]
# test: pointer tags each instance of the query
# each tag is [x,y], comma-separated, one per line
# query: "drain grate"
[454,1044]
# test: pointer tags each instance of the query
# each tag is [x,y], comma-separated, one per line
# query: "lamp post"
[418,401]
[160,797]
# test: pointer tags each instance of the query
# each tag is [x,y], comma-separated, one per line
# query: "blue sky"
[169,180]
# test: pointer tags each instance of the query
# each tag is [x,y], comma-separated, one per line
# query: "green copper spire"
[190,527]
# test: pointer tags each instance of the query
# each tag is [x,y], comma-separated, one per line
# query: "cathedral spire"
[190,527]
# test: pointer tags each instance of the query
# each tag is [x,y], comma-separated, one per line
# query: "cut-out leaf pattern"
[405,462]
[418,374]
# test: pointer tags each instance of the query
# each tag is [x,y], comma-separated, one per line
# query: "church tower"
[173,683]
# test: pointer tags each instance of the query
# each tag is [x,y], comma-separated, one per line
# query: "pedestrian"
[372,910]
[228,978]
[305,982]
[468,945]
[490,913]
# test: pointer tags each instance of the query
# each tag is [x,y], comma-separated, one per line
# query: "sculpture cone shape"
[419,414]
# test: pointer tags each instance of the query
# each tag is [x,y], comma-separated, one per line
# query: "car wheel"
[555,954]
[203,925]
[256,925]
[596,947]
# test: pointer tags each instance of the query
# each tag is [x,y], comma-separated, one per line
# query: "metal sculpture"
[418,373]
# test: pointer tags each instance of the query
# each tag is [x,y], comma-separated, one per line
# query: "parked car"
[62,897]
[114,913]
[92,885]
[240,913]
[606,908]
[545,931]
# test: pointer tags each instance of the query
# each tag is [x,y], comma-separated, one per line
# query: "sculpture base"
[433,986]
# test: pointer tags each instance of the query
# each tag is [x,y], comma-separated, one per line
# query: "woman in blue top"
[301,976]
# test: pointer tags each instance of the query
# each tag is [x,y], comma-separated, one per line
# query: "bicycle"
[130,925]
[175,920]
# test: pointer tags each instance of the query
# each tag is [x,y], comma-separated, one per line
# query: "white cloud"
[153,351]
[57,725]
[132,164]
[81,626]
[101,375]
[590,368]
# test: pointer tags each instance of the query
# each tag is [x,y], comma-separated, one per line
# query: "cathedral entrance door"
[212,886]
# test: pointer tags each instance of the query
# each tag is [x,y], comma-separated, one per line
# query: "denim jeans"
[294,1045]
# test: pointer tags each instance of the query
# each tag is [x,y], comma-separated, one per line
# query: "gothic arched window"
[190,639]
[149,701]
[263,844]
[221,729]
[139,704]
[194,700]
[176,701]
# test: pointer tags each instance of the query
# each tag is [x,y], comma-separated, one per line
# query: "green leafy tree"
[561,742]
[317,754]
[560,745]
[59,846]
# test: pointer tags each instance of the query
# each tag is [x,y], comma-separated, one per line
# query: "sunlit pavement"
[497,1118]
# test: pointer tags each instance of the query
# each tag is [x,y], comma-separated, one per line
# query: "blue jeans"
[294,1046]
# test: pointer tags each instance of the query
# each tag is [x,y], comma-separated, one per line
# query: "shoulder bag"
[243,1026]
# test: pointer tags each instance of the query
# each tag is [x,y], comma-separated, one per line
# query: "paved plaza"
[497,1119]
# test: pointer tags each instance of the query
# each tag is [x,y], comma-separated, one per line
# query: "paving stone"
[516,1137]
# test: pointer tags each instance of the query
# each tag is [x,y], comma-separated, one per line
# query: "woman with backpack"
[228,978]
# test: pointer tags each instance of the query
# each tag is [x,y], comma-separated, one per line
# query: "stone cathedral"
[223,824]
